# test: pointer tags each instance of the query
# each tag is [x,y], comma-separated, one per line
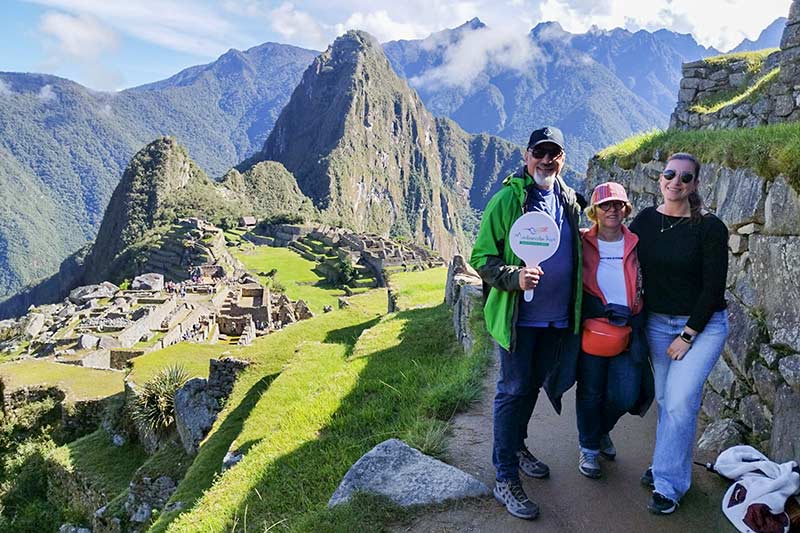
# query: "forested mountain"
[770,37]
[64,147]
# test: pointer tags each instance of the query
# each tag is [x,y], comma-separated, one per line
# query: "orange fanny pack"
[599,337]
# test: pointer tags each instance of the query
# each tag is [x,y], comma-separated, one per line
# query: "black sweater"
[684,267]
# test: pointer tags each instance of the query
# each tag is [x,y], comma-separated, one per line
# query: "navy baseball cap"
[548,134]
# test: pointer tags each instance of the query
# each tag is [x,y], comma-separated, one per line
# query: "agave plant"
[154,408]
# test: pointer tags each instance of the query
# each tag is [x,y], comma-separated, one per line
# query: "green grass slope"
[320,394]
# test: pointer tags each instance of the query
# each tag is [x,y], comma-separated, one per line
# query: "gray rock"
[721,435]
[142,514]
[86,293]
[231,459]
[33,325]
[118,440]
[790,370]
[770,355]
[407,477]
[744,336]
[148,282]
[739,196]
[777,259]
[765,382]
[343,302]
[713,405]
[737,79]
[782,209]
[69,528]
[719,75]
[195,413]
[749,229]
[785,441]
[107,343]
[458,272]
[722,378]
[737,244]
[755,415]
[88,342]
[686,95]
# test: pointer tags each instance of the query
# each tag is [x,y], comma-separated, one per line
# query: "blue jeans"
[608,387]
[679,390]
[522,374]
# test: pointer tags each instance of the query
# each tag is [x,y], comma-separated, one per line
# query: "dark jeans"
[608,387]
[522,374]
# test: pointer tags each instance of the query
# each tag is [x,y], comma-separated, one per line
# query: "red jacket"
[630,263]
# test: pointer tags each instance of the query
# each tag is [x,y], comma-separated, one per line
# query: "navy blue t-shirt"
[550,306]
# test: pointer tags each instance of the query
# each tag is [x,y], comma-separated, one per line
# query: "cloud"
[299,27]
[382,26]
[82,37]
[5,89]
[46,94]
[477,51]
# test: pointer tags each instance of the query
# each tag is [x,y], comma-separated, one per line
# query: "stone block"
[33,325]
[737,79]
[686,95]
[744,336]
[722,378]
[785,439]
[778,258]
[762,107]
[714,405]
[148,282]
[769,355]
[690,83]
[784,105]
[794,13]
[88,342]
[407,477]
[743,110]
[721,435]
[749,229]
[195,413]
[719,76]
[755,415]
[708,85]
[781,209]
[790,370]
[765,382]
[737,244]
[791,36]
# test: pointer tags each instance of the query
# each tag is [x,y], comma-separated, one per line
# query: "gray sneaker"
[511,494]
[588,465]
[531,466]
[607,448]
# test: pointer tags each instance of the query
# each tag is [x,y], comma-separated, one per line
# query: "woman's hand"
[677,349]
[529,277]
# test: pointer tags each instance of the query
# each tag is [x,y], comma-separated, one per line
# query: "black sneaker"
[647,478]
[660,504]
[531,466]
[607,448]
[511,494]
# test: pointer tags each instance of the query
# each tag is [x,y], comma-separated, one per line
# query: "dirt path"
[568,500]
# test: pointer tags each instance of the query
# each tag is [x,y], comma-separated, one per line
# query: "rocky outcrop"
[754,385]
[777,98]
[407,477]
[464,293]
[148,282]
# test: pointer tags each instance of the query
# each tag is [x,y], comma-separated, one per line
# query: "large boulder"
[407,477]
[721,435]
[785,439]
[148,282]
[85,293]
[34,325]
[195,413]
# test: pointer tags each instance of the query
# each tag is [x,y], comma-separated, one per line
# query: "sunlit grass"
[737,96]
[420,288]
[77,382]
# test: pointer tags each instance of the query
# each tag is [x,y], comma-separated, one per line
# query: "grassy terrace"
[295,275]
[320,394]
[77,382]
[193,357]
[768,150]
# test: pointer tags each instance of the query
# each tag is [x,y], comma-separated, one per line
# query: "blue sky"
[113,44]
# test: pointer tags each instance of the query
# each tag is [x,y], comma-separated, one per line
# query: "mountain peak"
[549,30]
[472,24]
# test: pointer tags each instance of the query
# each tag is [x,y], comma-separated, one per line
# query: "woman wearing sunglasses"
[683,250]
[613,362]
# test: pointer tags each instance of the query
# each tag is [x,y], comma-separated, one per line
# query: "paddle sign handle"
[529,295]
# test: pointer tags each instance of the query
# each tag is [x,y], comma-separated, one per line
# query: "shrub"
[155,406]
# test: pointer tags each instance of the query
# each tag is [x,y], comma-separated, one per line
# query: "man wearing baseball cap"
[538,340]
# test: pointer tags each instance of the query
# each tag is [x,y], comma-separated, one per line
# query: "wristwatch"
[687,337]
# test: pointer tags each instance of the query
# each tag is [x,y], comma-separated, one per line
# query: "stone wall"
[778,101]
[464,293]
[754,390]
[157,314]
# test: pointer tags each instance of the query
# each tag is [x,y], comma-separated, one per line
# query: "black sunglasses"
[539,153]
[616,205]
[686,177]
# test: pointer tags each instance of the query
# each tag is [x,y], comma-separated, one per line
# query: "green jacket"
[499,266]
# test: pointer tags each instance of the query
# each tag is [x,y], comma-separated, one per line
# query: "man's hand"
[529,277]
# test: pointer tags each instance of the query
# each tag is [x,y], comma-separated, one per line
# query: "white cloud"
[300,28]
[5,90]
[382,26]
[469,58]
[46,94]
[82,36]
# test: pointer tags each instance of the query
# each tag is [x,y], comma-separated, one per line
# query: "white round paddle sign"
[534,238]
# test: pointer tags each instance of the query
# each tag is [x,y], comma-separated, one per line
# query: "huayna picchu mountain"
[364,148]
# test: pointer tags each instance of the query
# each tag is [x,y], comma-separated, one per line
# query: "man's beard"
[545,181]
